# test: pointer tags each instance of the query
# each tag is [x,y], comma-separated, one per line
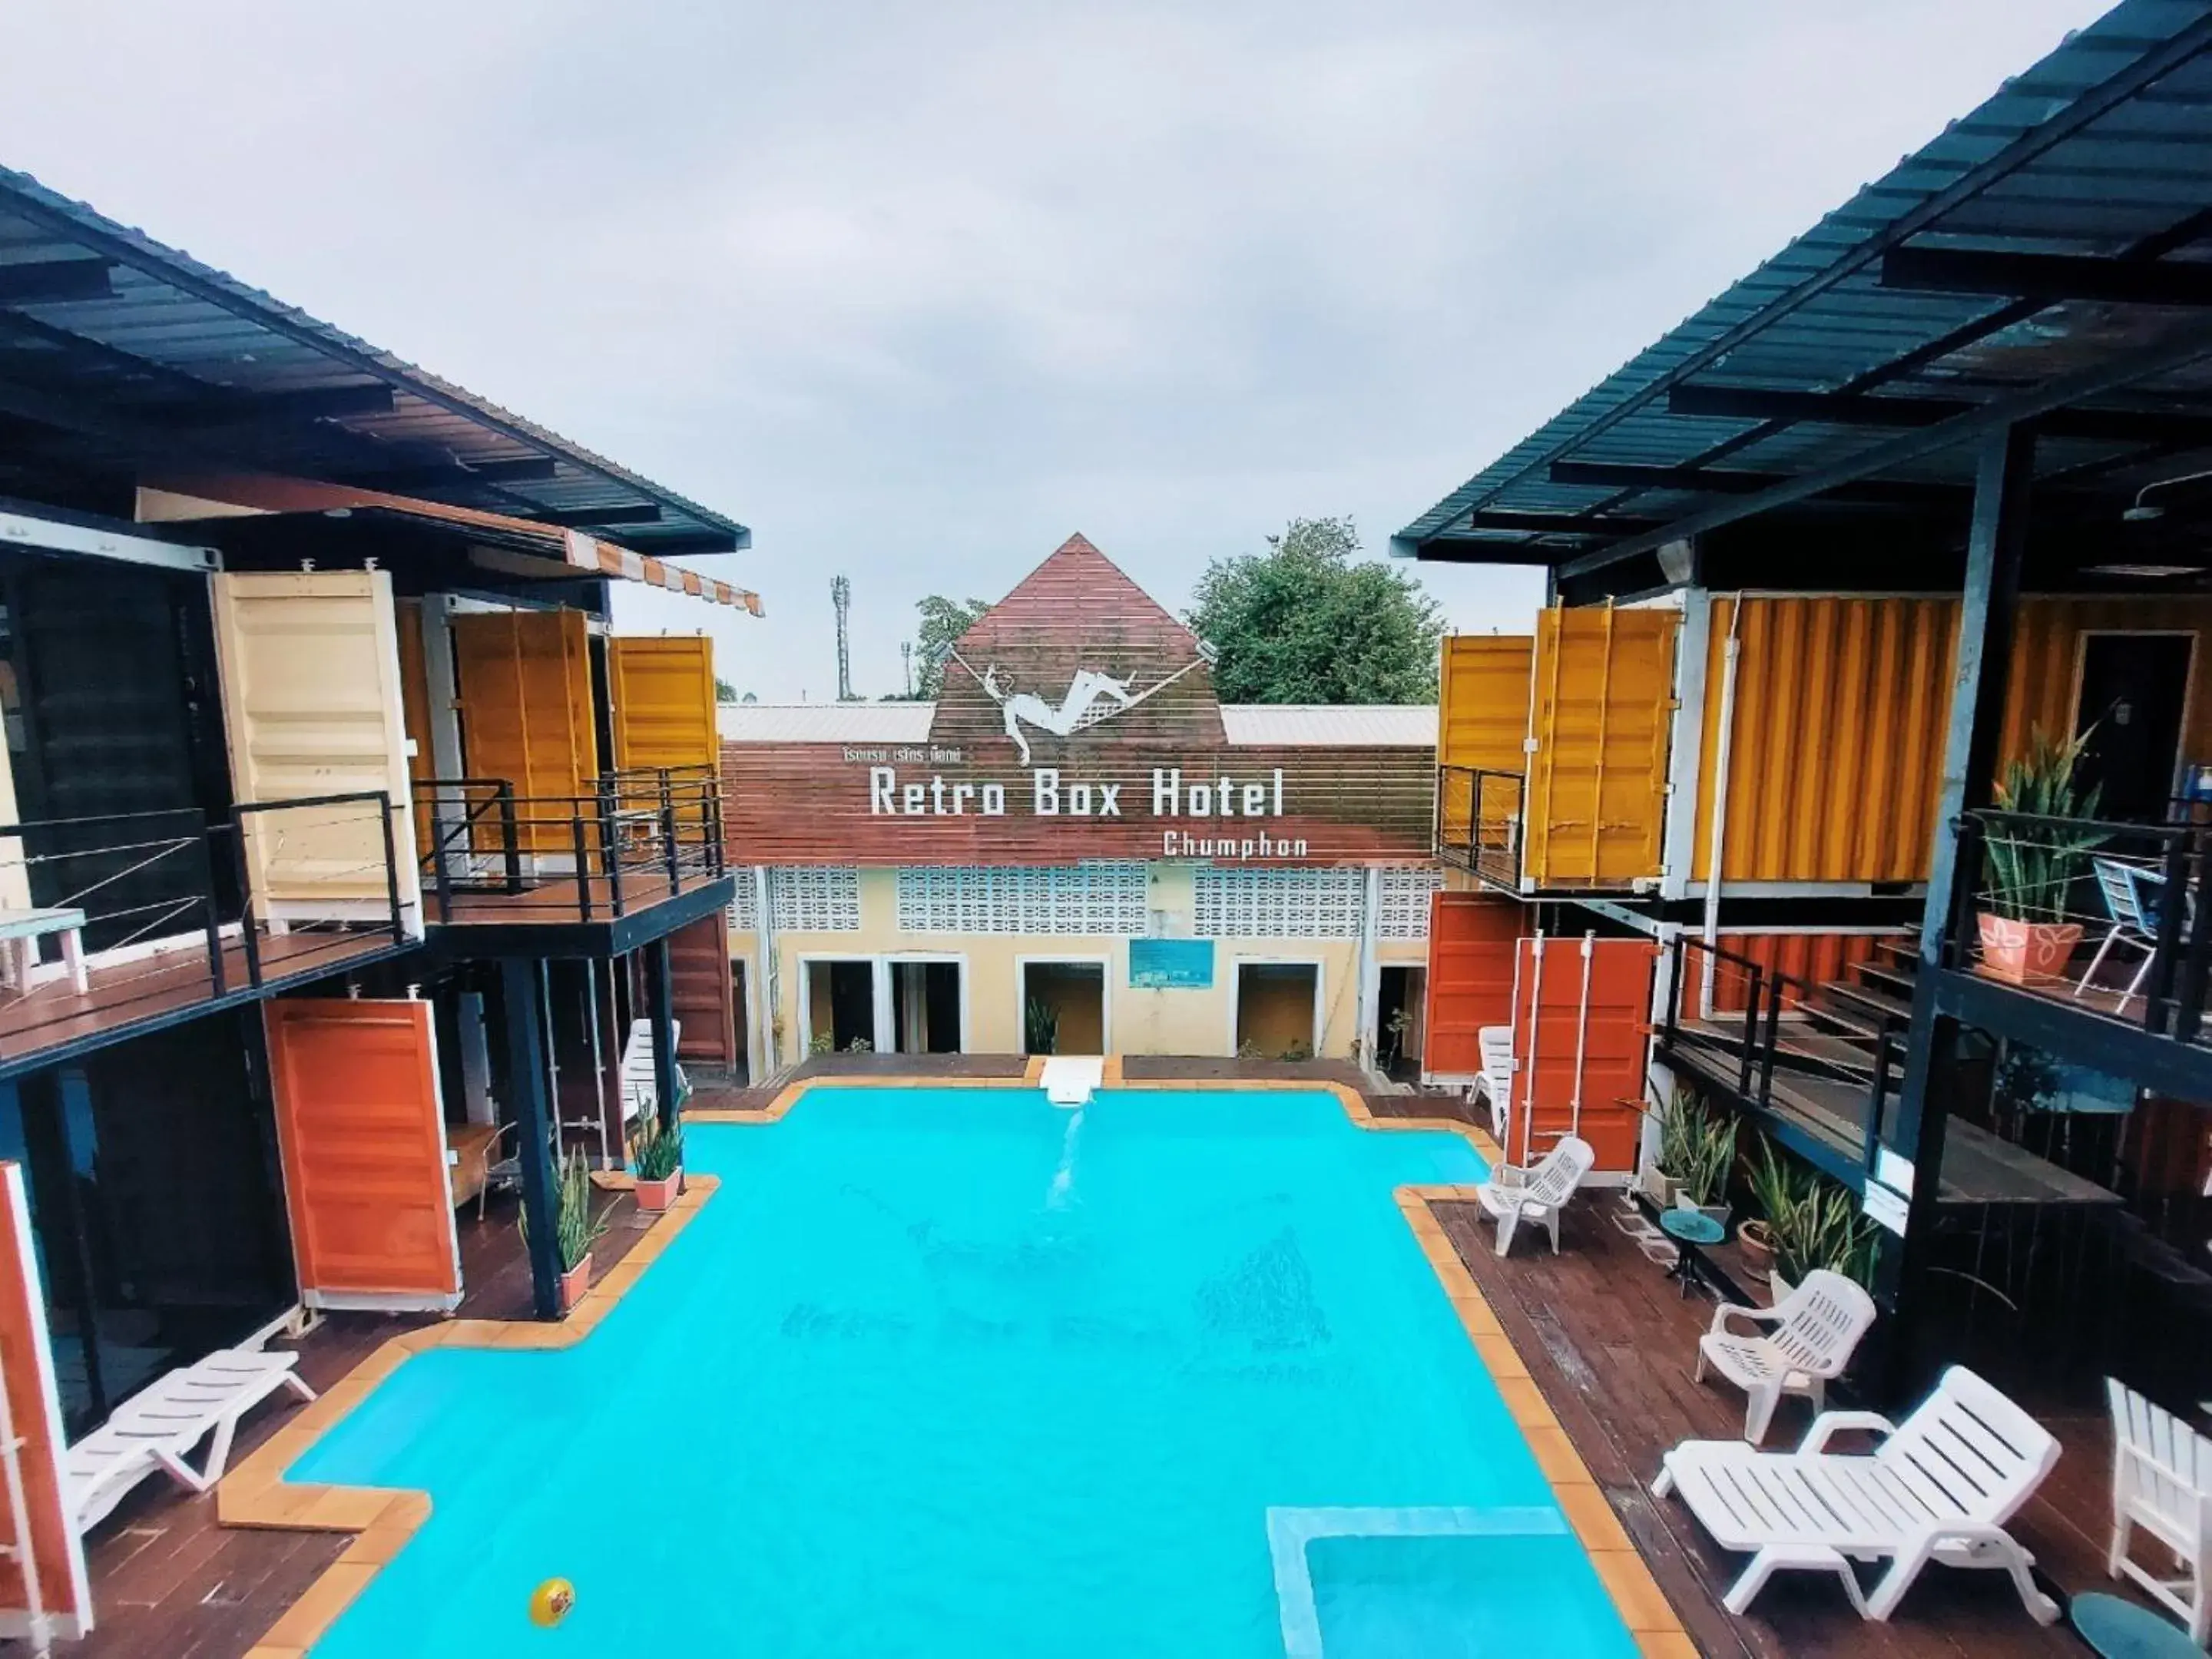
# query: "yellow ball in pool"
[550,1603]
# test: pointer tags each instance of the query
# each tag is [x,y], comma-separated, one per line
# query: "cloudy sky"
[916,291]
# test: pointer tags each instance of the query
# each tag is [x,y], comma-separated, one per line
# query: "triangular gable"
[1077,614]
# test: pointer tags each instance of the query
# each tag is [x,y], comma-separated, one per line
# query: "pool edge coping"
[384,1518]
[254,1494]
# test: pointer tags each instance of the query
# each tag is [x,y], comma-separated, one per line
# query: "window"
[1279,904]
[1091,899]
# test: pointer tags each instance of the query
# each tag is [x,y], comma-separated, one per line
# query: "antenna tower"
[841,596]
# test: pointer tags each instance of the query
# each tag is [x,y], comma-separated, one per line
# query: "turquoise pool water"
[951,1372]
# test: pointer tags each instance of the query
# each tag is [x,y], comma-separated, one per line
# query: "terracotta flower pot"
[654,1196]
[2025,952]
[575,1281]
[1756,1240]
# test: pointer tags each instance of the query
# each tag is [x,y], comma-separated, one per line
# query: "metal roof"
[1331,725]
[2042,258]
[824,722]
[138,355]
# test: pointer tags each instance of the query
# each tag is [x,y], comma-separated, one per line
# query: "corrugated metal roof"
[139,351]
[825,722]
[1331,725]
[2103,149]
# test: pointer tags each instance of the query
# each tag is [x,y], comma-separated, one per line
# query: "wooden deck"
[1605,1335]
[167,1583]
[562,899]
[121,995]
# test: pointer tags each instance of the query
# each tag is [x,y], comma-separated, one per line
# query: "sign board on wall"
[1171,964]
[1077,721]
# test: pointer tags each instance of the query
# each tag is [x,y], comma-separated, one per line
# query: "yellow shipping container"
[663,702]
[1484,716]
[526,696]
[1597,779]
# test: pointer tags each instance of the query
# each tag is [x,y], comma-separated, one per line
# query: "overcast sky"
[914,292]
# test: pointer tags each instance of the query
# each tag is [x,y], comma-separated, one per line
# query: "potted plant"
[1707,1156]
[657,1155]
[1817,1224]
[575,1228]
[2026,938]
[1773,1189]
[1041,1026]
[1661,1175]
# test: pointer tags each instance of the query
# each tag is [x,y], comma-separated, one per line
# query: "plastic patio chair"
[1816,1329]
[2132,895]
[2162,1483]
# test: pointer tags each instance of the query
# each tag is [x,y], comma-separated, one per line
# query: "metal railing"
[1747,1021]
[167,910]
[2109,916]
[638,837]
[1480,823]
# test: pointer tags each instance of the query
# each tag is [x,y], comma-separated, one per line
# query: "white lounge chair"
[2162,1482]
[1939,1487]
[640,1093]
[157,1428]
[1513,1195]
[1495,1082]
[1816,1327]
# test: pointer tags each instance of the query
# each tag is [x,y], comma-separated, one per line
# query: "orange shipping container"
[1580,1022]
[1471,939]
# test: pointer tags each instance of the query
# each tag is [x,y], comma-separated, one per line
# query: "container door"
[360,1130]
[1484,719]
[664,698]
[1472,938]
[701,995]
[526,696]
[1581,1029]
[1597,784]
[310,665]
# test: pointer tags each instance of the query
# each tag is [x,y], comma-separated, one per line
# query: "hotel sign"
[1077,721]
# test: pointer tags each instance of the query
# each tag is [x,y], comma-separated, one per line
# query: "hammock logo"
[1091,699]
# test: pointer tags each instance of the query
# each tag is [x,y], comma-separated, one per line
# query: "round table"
[2125,1630]
[1691,1229]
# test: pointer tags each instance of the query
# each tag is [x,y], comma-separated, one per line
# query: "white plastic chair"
[2132,895]
[158,1426]
[1513,1195]
[1817,1326]
[640,1093]
[2162,1482]
[1495,1082]
[1939,1487]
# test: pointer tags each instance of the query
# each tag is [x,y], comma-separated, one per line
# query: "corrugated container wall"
[1837,736]
[1597,780]
[2046,662]
[1483,718]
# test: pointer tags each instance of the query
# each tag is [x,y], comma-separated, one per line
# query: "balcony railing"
[1479,822]
[2110,918]
[118,918]
[638,838]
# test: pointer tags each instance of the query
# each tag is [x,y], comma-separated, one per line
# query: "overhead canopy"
[119,356]
[2045,258]
[560,552]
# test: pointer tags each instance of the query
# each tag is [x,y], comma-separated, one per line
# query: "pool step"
[1070,1080]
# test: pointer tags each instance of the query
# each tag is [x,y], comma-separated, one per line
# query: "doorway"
[2133,688]
[1278,1012]
[1401,995]
[841,1006]
[925,1012]
[1063,1007]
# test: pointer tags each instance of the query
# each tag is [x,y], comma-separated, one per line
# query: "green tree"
[724,691]
[943,622]
[1309,621]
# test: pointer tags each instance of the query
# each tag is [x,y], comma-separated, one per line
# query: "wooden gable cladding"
[1077,612]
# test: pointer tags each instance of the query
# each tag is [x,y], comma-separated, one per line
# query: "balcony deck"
[54,1020]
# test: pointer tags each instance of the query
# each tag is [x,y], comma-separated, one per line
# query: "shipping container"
[1597,780]
[1581,1017]
[526,697]
[1471,939]
[663,700]
[1835,740]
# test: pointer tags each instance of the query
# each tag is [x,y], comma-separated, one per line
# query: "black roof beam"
[56,282]
[1555,524]
[455,475]
[1721,481]
[2047,278]
[1743,403]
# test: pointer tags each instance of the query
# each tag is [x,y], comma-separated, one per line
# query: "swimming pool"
[942,1372]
